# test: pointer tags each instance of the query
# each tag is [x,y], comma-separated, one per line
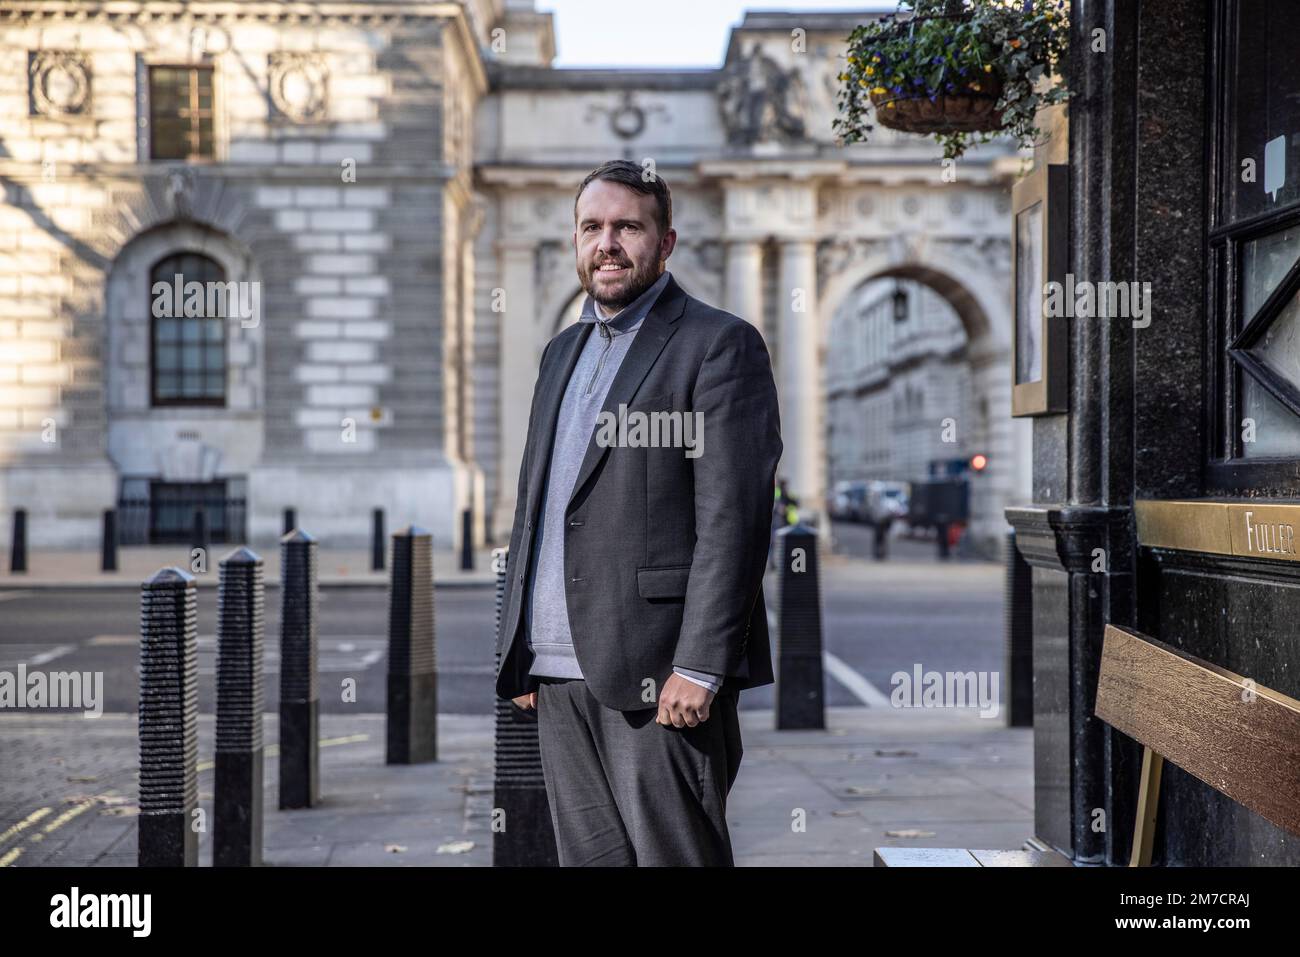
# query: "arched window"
[187,354]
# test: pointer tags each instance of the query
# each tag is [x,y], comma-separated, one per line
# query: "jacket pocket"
[662,581]
[662,402]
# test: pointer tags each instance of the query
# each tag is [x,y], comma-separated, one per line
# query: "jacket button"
[521,578]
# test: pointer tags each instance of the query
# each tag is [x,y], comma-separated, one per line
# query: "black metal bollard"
[525,835]
[412,668]
[299,701]
[237,830]
[18,544]
[466,540]
[108,543]
[290,521]
[168,720]
[1018,613]
[377,541]
[800,691]
[199,535]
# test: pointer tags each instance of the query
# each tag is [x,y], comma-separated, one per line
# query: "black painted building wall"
[1158,128]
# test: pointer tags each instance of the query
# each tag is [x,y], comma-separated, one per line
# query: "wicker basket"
[964,112]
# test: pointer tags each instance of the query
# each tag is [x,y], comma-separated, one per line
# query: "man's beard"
[640,279]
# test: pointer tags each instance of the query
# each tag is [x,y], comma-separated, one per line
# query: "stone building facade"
[890,380]
[338,176]
[396,179]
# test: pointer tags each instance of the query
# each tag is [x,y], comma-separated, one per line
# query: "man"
[633,612]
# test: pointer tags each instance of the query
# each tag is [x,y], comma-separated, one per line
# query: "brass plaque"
[1244,529]
[1265,531]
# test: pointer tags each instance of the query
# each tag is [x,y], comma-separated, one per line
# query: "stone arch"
[175,197]
[979,297]
[973,281]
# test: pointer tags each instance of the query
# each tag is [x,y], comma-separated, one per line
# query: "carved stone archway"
[972,278]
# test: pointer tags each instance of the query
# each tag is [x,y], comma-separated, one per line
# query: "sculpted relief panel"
[59,84]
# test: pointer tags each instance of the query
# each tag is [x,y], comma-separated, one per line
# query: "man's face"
[620,251]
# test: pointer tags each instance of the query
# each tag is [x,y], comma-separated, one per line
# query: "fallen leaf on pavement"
[455,847]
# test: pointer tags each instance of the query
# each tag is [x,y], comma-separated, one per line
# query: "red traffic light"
[979,462]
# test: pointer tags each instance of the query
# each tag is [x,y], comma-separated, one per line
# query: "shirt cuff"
[702,678]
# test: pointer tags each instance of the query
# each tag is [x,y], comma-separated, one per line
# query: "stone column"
[518,329]
[744,281]
[799,375]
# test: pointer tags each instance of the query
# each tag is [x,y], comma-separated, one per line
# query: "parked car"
[847,501]
[885,502]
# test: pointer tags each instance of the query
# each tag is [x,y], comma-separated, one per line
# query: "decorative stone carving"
[180,192]
[981,255]
[627,120]
[834,256]
[297,84]
[759,101]
[708,254]
[995,250]
[551,254]
[60,84]
[907,247]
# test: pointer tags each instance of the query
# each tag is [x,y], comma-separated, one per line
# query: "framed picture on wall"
[1039,250]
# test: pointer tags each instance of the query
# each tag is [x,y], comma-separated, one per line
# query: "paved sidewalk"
[80,569]
[874,777]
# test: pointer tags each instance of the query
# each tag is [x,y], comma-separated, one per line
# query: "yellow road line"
[12,855]
[68,815]
[25,823]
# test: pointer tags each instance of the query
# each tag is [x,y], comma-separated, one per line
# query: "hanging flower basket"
[962,71]
[966,111]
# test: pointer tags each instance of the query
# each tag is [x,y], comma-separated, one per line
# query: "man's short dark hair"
[633,176]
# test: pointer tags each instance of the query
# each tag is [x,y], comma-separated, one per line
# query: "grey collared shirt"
[546,613]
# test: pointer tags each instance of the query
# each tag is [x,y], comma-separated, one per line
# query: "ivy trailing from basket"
[963,71]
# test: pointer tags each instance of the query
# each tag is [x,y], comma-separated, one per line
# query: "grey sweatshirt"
[546,613]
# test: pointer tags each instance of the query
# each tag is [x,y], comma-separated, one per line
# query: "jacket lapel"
[656,329]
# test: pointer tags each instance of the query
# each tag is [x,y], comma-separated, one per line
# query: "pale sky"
[661,33]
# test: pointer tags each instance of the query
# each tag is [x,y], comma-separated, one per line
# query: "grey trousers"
[626,791]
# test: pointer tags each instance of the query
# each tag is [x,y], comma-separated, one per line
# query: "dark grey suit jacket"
[663,554]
